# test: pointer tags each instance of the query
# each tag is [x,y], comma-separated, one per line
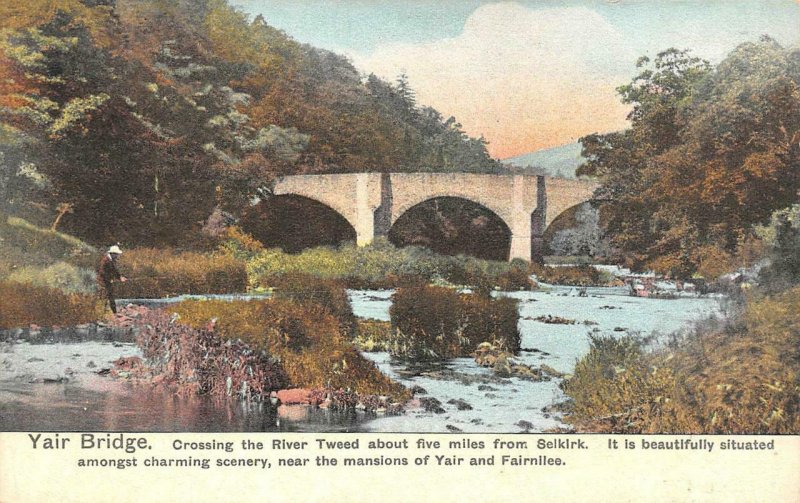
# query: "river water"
[81,400]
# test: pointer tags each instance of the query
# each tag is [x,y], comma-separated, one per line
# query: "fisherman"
[107,274]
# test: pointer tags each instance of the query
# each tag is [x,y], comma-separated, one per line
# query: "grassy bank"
[734,377]
[43,257]
[310,343]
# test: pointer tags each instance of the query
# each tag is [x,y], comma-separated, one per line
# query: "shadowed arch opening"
[577,231]
[294,223]
[453,226]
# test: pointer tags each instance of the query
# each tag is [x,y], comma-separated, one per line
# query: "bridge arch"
[452,225]
[501,212]
[578,230]
[563,194]
[373,202]
[293,223]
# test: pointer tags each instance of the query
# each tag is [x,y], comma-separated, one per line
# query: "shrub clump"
[583,275]
[736,378]
[614,379]
[157,273]
[309,290]
[307,340]
[24,304]
[435,322]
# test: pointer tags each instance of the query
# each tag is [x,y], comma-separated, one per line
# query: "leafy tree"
[710,153]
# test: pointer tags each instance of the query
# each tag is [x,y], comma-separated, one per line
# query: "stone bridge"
[372,202]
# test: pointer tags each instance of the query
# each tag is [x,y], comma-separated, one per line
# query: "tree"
[711,152]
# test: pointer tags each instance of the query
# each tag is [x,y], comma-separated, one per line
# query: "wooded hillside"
[136,118]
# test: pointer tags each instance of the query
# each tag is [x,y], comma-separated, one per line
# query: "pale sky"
[531,74]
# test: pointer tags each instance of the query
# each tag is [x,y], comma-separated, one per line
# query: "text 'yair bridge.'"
[372,202]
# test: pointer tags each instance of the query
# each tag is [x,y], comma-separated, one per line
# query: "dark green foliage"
[436,322]
[583,275]
[783,238]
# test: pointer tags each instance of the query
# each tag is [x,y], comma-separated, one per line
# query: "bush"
[26,304]
[307,339]
[60,276]
[308,290]
[240,245]
[164,272]
[435,322]
[613,379]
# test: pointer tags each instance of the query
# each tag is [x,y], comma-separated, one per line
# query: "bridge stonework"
[372,202]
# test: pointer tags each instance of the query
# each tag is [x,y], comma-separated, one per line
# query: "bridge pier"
[365,212]
[520,221]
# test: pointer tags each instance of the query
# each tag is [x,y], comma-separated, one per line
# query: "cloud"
[524,78]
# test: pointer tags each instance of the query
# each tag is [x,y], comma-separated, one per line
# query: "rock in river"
[460,404]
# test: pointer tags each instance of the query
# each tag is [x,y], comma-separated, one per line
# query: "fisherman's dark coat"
[107,271]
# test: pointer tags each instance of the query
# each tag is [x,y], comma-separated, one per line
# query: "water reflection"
[119,406]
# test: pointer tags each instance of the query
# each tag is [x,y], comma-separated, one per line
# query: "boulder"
[294,396]
[431,404]
[460,404]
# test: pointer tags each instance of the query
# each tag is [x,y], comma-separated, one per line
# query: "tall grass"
[737,377]
[164,272]
[23,304]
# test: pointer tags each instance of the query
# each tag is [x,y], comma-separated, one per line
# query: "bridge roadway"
[372,202]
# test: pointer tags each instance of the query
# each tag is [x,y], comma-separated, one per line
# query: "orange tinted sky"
[530,74]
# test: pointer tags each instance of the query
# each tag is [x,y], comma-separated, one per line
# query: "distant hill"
[559,161]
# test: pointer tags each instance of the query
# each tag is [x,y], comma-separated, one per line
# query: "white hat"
[115,249]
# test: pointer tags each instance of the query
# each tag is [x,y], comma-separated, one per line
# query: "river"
[481,401]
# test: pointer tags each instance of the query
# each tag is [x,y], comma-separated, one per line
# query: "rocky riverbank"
[198,360]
